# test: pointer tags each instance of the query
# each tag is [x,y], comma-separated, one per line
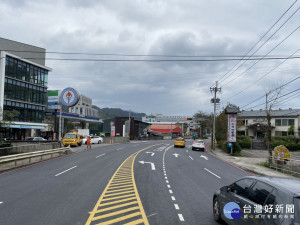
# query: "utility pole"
[129,123]
[215,90]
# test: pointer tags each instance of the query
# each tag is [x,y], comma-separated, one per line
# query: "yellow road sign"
[281,153]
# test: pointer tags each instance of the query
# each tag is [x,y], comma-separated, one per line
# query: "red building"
[166,129]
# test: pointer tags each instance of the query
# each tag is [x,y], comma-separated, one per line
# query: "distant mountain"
[110,113]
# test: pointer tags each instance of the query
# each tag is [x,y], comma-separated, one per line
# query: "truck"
[83,132]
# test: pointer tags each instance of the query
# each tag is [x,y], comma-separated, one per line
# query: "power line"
[281,86]
[259,41]
[275,98]
[261,77]
[164,60]
[264,56]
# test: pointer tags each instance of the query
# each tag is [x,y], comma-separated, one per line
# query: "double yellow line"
[120,201]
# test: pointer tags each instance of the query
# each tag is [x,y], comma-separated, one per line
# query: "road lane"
[34,195]
[182,186]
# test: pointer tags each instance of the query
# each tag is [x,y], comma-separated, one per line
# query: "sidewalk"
[249,164]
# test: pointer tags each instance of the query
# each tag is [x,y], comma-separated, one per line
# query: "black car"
[259,200]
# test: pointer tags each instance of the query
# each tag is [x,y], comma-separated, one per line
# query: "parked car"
[179,142]
[198,145]
[35,139]
[246,200]
[94,140]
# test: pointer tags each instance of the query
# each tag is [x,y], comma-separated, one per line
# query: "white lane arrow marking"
[202,156]
[152,164]
[152,153]
[176,155]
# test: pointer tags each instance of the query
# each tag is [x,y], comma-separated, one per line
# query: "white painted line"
[119,149]
[191,157]
[100,155]
[171,192]
[173,198]
[65,171]
[166,178]
[1,202]
[167,181]
[212,173]
[180,217]
[176,206]
[152,215]
[169,186]
[187,151]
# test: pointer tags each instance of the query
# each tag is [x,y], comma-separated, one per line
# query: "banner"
[231,135]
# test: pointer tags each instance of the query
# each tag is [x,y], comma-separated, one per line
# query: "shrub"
[293,147]
[244,141]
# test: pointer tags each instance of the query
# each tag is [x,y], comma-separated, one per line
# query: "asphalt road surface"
[134,183]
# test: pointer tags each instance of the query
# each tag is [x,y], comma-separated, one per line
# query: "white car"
[198,145]
[94,140]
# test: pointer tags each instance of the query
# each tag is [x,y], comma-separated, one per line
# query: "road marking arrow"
[152,164]
[204,157]
[152,153]
[176,155]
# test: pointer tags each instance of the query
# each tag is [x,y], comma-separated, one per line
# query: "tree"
[204,120]
[271,100]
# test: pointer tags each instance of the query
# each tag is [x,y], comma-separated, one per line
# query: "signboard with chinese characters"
[281,153]
[231,135]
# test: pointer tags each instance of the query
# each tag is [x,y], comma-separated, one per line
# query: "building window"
[291,122]
[245,122]
[278,122]
[284,133]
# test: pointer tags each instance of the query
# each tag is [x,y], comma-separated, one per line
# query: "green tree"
[204,120]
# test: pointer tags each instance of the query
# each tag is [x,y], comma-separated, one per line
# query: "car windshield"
[67,136]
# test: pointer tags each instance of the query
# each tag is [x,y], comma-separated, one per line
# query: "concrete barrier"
[117,139]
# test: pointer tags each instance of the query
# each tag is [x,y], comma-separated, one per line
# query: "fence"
[285,165]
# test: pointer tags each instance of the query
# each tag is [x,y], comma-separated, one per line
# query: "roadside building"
[23,88]
[137,128]
[254,123]
[167,128]
[80,116]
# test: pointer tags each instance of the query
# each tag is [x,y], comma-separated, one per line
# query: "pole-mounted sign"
[69,97]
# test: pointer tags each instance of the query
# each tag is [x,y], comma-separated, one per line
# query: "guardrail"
[28,147]
[285,165]
[11,161]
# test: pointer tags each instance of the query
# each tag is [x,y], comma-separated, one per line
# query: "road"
[137,182]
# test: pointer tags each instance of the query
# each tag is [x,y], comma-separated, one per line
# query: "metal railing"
[290,166]
[11,161]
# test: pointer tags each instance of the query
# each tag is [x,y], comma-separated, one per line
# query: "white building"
[254,123]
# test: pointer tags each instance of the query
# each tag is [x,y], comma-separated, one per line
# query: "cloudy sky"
[162,56]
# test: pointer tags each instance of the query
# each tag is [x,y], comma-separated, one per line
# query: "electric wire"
[220,80]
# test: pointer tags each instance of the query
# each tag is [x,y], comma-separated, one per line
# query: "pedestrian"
[88,142]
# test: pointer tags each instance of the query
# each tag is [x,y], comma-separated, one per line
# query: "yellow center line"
[119,201]
[121,218]
[116,207]
[121,189]
[120,193]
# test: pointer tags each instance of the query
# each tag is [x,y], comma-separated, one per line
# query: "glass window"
[241,187]
[284,122]
[291,122]
[284,133]
[260,192]
[278,122]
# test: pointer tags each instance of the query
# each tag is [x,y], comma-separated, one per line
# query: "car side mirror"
[224,189]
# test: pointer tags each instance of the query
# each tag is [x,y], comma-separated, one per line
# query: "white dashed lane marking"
[212,173]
